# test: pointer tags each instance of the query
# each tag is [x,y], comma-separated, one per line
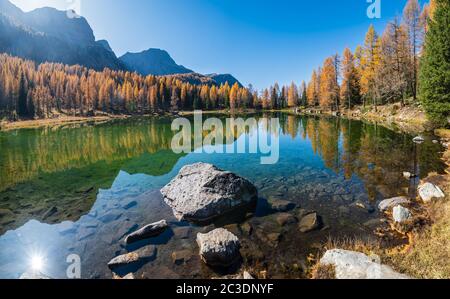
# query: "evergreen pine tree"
[435,66]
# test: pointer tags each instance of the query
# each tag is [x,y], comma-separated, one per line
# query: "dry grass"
[443,133]
[52,122]
[323,272]
[428,255]
[368,247]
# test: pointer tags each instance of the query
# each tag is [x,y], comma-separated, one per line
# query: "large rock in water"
[219,247]
[356,265]
[201,192]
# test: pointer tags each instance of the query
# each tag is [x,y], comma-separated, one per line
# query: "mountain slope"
[159,63]
[47,34]
[153,62]
[223,78]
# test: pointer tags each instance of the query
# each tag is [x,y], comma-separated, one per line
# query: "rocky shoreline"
[407,217]
[202,192]
[410,118]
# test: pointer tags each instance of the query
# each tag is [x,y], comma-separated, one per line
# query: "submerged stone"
[219,247]
[141,255]
[310,222]
[148,231]
[281,205]
[181,257]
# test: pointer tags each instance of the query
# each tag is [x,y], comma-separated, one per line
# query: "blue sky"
[259,42]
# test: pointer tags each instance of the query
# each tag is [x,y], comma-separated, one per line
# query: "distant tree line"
[386,68]
[30,91]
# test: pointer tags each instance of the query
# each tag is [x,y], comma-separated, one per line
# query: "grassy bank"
[58,121]
[428,252]
[409,118]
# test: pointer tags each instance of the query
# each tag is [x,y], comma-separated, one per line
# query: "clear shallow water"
[81,189]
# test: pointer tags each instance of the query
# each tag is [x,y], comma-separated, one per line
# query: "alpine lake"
[80,189]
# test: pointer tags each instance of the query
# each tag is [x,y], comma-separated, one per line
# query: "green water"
[71,174]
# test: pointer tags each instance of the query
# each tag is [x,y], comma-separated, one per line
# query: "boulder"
[202,192]
[310,222]
[148,231]
[219,247]
[400,214]
[143,254]
[392,202]
[428,192]
[356,265]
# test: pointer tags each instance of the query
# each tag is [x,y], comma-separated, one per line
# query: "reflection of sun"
[37,263]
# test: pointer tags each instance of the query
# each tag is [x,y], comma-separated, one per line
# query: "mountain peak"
[48,34]
[153,62]
[224,78]
[105,44]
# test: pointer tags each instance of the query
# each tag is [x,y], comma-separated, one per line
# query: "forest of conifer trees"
[27,90]
[384,70]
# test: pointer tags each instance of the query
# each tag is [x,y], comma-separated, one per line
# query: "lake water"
[80,189]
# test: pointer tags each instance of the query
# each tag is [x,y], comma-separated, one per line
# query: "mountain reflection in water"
[96,184]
